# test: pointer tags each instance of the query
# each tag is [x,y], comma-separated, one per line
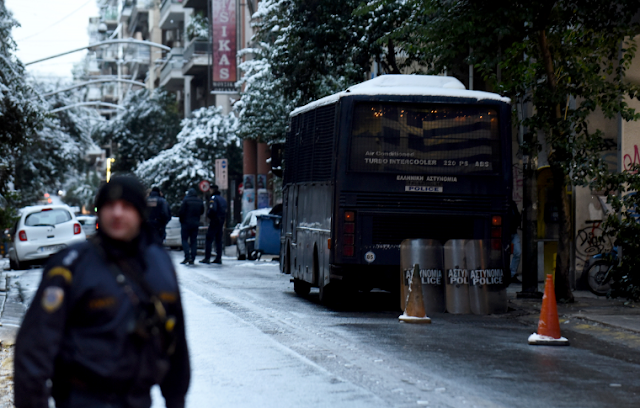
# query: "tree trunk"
[391,58]
[563,259]
[562,281]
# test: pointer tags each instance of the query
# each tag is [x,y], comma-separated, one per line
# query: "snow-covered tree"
[206,136]
[149,125]
[81,189]
[263,109]
[57,150]
[304,50]
[20,114]
[313,45]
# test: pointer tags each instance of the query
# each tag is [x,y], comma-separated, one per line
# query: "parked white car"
[173,239]
[89,224]
[41,231]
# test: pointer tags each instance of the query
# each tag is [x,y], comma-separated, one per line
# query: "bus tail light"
[496,233]
[496,220]
[76,229]
[22,235]
[329,243]
[348,231]
[496,244]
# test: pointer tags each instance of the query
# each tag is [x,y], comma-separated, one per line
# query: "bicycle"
[599,273]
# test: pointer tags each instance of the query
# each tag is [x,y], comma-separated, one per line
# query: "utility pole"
[530,223]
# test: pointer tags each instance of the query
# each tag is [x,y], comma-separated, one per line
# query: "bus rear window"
[425,138]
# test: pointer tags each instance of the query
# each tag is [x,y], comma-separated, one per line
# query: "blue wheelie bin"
[268,235]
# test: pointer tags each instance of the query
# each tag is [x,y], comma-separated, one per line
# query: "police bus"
[396,157]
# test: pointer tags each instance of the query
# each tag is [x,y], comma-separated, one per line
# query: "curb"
[607,324]
[3,282]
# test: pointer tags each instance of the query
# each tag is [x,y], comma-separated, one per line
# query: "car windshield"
[47,217]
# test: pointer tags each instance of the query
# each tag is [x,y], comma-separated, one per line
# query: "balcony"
[196,5]
[109,16]
[196,57]
[171,77]
[171,13]
[139,19]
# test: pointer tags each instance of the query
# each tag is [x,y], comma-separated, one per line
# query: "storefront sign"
[224,40]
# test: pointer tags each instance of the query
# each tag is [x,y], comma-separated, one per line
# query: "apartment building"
[189,69]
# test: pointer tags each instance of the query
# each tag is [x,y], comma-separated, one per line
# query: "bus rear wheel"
[301,287]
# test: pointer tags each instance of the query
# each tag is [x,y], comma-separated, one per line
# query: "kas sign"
[224,40]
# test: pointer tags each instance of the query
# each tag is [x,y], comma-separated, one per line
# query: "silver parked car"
[41,231]
[247,234]
[89,224]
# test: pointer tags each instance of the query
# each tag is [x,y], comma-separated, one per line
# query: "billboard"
[224,42]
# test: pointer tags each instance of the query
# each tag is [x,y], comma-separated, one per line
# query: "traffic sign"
[222,174]
[204,186]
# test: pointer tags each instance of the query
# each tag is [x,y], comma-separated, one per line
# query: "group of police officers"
[106,323]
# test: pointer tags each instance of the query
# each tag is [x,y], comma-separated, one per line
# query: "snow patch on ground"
[536,338]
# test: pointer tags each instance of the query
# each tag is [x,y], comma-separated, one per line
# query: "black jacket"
[217,209]
[159,213]
[79,330]
[191,209]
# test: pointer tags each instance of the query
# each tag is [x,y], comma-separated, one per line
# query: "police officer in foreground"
[106,323]
[158,214]
[190,211]
[217,214]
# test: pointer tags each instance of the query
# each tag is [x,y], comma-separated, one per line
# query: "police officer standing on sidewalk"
[106,323]
[217,214]
[159,213]
[190,211]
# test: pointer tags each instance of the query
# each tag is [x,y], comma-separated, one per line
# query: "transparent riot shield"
[487,288]
[456,277]
[427,253]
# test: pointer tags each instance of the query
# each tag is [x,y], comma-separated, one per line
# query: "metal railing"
[196,47]
[174,61]
[166,4]
[109,14]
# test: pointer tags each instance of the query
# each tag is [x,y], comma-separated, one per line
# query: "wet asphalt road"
[255,343]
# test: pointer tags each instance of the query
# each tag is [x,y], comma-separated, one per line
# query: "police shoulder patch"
[52,298]
[60,271]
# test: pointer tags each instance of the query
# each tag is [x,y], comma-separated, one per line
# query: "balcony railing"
[174,63]
[166,4]
[144,4]
[197,5]
[196,47]
[109,14]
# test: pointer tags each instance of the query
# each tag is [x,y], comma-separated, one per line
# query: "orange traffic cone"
[548,325]
[414,310]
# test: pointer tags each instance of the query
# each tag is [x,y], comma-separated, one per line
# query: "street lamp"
[109,161]
[107,42]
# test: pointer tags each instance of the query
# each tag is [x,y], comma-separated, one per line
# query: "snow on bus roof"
[425,85]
